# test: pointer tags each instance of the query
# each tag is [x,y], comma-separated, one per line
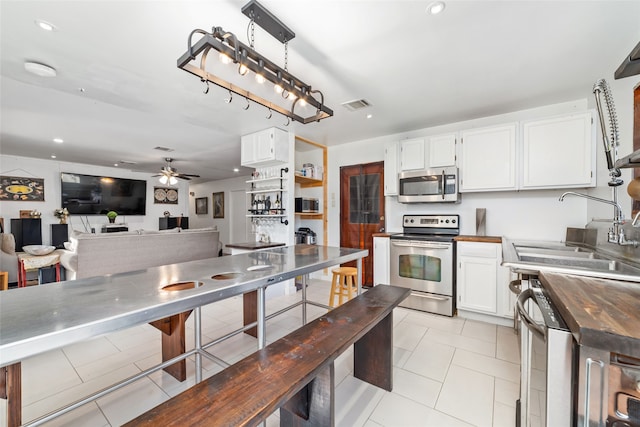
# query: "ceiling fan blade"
[191,175]
[183,177]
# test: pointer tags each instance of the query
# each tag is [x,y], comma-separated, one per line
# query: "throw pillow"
[8,244]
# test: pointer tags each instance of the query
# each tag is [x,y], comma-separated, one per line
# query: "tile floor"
[448,371]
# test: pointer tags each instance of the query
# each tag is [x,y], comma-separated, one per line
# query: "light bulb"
[163,179]
[303,102]
[278,89]
[260,78]
[242,69]
[173,180]
[224,58]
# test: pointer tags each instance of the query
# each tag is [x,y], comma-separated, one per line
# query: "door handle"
[524,315]
[433,297]
[382,230]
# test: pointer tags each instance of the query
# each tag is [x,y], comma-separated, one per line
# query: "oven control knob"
[447,221]
[453,221]
[411,221]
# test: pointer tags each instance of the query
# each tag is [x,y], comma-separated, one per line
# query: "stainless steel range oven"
[423,259]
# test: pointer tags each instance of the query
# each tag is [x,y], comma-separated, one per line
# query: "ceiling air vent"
[163,149]
[356,105]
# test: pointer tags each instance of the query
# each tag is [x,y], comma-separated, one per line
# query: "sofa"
[88,255]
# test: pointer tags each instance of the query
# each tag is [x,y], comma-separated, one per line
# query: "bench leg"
[373,355]
[314,405]
[173,342]
[250,311]
[11,389]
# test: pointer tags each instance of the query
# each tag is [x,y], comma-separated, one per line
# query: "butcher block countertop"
[600,313]
[381,234]
[481,239]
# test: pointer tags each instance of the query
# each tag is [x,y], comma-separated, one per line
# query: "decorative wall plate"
[163,195]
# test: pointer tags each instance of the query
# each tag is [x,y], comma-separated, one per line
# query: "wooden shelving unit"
[307,182]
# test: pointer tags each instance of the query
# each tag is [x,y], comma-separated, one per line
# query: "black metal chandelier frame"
[227,44]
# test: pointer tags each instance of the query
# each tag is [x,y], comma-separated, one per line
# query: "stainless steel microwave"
[428,186]
[307,205]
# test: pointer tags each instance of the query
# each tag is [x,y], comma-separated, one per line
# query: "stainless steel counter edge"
[511,260]
[37,319]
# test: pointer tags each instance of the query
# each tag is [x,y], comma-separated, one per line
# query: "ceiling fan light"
[163,179]
[173,180]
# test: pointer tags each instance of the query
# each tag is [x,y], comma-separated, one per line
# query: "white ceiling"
[477,58]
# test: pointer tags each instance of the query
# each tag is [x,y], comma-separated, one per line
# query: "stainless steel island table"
[37,319]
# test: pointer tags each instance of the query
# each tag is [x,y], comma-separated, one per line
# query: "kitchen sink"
[543,256]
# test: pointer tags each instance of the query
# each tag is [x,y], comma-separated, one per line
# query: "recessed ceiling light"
[58,140]
[369,116]
[115,164]
[53,156]
[38,69]
[47,26]
[236,170]
[435,8]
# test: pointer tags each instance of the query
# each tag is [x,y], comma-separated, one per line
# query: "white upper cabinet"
[391,169]
[488,159]
[559,152]
[442,150]
[268,147]
[412,155]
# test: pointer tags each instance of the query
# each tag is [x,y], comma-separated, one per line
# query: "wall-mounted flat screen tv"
[89,195]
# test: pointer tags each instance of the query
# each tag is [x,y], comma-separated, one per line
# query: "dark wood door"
[361,210]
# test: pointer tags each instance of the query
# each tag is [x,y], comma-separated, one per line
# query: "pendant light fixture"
[289,90]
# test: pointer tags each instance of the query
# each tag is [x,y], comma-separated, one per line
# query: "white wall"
[50,171]
[537,215]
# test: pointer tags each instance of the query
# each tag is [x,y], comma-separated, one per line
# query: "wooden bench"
[295,373]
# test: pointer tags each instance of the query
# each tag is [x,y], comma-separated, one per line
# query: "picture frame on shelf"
[218,205]
[202,205]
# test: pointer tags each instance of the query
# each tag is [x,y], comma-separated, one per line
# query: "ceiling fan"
[170,175]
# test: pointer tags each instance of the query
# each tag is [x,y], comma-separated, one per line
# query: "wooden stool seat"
[343,285]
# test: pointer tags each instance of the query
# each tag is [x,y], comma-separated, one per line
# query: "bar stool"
[343,284]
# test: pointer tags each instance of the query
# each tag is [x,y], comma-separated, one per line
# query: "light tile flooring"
[448,371]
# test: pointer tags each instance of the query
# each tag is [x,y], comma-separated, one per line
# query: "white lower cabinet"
[381,247]
[482,284]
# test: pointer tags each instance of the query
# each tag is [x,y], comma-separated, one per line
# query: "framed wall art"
[202,205]
[218,205]
[21,189]
[167,196]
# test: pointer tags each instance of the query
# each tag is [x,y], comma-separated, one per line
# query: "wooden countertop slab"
[381,234]
[481,239]
[600,313]
[251,246]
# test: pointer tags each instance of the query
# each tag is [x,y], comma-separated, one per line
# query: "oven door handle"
[524,315]
[443,187]
[420,244]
